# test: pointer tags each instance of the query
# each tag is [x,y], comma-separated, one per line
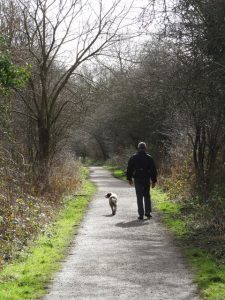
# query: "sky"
[123,16]
[83,28]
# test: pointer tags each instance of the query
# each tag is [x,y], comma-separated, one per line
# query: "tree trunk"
[205,151]
[43,152]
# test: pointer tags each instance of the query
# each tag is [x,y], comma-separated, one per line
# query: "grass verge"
[117,173]
[209,272]
[27,277]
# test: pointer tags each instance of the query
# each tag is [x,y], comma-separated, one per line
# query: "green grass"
[209,273]
[117,173]
[27,278]
[171,212]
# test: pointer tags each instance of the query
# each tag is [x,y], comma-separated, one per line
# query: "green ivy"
[11,75]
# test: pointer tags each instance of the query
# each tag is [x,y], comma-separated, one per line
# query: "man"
[142,168]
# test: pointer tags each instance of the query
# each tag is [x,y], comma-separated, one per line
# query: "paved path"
[120,257]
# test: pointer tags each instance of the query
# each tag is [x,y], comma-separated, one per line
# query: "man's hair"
[141,146]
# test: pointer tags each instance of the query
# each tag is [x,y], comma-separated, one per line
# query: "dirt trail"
[120,257]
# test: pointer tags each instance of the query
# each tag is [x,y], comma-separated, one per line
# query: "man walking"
[142,168]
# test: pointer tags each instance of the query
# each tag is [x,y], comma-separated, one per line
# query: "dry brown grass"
[24,211]
[65,177]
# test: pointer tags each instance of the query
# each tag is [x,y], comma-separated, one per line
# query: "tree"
[48,28]
[133,103]
[11,76]
[201,54]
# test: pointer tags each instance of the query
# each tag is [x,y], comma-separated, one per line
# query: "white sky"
[126,13]
[128,10]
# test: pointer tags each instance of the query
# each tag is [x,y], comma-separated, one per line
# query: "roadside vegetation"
[204,250]
[26,211]
[28,275]
[117,173]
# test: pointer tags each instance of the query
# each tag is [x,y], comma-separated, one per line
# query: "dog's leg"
[111,205]
[114,209]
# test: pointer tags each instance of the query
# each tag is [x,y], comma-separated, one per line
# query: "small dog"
[112,202]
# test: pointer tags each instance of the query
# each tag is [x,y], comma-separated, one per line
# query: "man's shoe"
[140,218]
[149,216]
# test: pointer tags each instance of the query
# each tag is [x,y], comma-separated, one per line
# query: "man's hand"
[153,184]
[130,182]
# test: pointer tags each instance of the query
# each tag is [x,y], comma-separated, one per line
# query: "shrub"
[25,211]
[120,159]
[180,182]
[65,176]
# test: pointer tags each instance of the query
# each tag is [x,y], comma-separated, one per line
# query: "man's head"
[141,146]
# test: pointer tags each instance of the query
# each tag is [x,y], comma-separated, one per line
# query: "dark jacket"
[141,166]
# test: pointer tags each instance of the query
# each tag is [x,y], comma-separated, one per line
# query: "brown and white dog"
[112,202]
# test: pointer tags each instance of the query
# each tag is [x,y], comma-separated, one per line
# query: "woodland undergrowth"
[25,209]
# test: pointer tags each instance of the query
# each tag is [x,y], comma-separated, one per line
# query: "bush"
[120,159]
[212,213]
[65,176]
[179,184]
[24,210]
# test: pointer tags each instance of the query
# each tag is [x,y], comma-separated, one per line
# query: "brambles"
[179,183]
[25,211]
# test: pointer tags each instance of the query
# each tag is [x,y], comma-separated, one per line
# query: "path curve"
[120,257]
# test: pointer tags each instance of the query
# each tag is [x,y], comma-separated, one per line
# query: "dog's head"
[108,195]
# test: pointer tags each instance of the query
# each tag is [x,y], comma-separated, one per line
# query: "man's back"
[142,168]
[141,165]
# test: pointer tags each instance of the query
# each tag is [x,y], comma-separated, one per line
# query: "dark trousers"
[142,187]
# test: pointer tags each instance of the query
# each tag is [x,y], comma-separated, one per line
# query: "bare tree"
[50,27]
[200,83]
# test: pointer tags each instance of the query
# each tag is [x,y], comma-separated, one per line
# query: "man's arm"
[130,170]
[153,173]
